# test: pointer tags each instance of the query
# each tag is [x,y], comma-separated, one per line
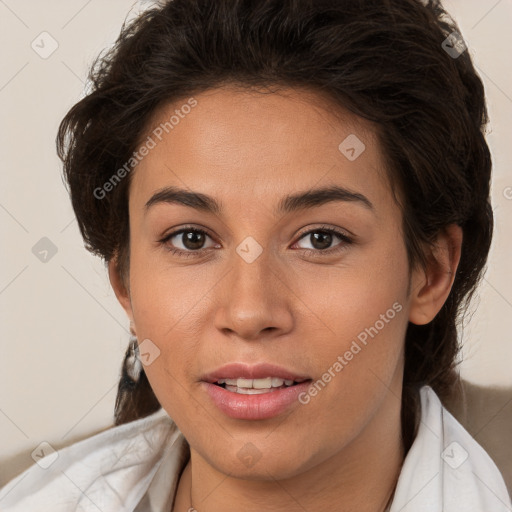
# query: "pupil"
[191,240]
[322,235]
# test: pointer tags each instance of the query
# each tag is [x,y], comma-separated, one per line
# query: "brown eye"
[192,240]
[186,241]
[321,240]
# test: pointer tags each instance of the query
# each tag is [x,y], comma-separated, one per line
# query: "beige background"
[63,334]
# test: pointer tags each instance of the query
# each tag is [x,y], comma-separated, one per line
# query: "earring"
[133,364]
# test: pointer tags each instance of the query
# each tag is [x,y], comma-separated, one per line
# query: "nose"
[253,299]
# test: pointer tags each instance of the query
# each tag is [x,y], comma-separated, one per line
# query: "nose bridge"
[254,299]
[251,259]
[252,274]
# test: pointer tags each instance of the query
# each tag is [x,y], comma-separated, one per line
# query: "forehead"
[247,145]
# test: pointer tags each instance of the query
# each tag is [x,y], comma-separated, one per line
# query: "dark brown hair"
[383,60]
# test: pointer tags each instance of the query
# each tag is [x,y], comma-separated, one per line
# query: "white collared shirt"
[136,468]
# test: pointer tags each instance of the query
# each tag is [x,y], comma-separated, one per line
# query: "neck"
[361,477]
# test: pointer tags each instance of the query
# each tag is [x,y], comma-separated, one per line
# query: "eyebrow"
[291,203]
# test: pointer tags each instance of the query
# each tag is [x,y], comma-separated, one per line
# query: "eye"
[191,239]
[322,238]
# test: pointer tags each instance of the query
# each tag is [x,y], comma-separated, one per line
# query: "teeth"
[262,383]
[276,382]
[250,391]
[256,384]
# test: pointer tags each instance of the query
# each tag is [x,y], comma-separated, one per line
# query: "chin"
[249,463]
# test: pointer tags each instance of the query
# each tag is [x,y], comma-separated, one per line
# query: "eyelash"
[309,252]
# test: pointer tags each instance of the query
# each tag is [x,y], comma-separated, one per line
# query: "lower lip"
[255,407]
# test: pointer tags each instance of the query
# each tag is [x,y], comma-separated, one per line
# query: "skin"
[342,451]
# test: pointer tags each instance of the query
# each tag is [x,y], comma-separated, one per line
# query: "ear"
[121,289]
[431,286]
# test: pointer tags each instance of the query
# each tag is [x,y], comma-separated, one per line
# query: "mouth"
[257,386]
[254,392]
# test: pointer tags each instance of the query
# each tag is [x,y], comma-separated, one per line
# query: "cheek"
[369,291]
[165,313]
[167,299]
[170,307]
[362,318]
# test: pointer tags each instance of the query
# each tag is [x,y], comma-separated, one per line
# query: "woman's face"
[268,283]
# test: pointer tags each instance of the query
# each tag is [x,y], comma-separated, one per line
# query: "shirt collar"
[446,469]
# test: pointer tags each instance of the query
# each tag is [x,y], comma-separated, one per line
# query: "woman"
[293,202]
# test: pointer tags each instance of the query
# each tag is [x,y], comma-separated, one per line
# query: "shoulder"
[109,471]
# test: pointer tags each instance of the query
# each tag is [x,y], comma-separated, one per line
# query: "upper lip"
[247,371]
